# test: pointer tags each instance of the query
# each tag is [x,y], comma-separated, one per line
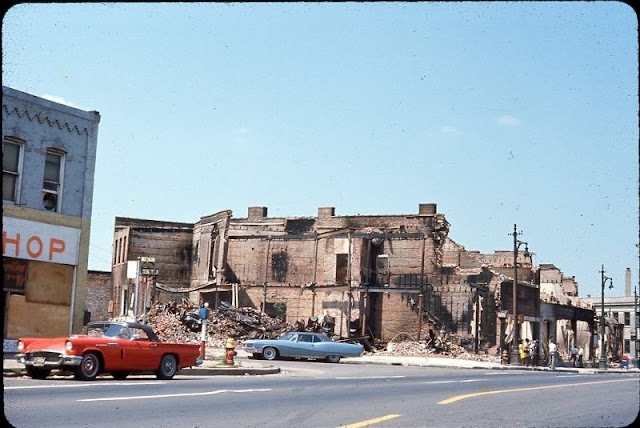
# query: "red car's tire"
[168,367]
[89,367]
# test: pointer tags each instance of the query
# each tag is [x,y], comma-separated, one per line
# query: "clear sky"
[500,113]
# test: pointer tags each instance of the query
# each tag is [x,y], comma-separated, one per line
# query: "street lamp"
[515,353]
[602,363]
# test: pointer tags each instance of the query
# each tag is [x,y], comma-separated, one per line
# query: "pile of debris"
[180,322]
[435,346]
[410,348]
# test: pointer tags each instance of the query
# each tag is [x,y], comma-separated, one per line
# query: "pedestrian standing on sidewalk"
[580,356]
[204,316]
[553,351]
[574,356]
[533,352]
[527,353]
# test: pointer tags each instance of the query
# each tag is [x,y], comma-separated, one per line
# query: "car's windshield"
[288,336]
[105,329]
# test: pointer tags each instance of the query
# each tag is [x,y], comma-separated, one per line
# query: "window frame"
[59,184]
[18,174]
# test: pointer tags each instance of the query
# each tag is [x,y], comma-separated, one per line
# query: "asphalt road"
[311,394]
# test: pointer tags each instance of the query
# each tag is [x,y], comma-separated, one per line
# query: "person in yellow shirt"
[521,350]
[527,353]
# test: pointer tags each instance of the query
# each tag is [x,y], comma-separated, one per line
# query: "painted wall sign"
[15,273]
[30,240]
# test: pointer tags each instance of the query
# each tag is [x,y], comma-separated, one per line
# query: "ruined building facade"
[384,276]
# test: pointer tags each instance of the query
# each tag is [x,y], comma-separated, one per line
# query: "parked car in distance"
[302,345]
[117,348]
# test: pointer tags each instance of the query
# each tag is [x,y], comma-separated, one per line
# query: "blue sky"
[501,113]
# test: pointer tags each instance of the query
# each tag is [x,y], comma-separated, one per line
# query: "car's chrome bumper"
[48,362]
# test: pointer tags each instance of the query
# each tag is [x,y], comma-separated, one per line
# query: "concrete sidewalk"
[460,363]
[214,364]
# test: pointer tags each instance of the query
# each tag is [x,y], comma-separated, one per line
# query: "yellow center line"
[532,388]
[371,421]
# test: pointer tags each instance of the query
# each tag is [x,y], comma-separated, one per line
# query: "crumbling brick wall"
[169,243]
[99,293]
[301,304]
[399,312]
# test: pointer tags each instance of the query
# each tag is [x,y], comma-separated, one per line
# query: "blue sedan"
[302,345]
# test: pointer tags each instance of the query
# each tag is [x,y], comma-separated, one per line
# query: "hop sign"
[148,266]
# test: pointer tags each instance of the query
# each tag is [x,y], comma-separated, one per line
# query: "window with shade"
[52,183]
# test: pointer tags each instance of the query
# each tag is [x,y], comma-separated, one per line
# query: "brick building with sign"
[49,154]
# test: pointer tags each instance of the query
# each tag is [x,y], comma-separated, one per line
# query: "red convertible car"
[117,348]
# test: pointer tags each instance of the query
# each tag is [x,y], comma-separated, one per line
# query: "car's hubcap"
[169,366]
[89,365]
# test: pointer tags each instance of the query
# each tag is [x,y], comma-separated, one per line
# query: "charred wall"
[99,294]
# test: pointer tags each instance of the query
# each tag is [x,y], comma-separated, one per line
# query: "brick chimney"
[257,212]
[427,209]
[326,212]
[627,282]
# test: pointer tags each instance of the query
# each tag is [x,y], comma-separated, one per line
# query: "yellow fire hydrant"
[231,350]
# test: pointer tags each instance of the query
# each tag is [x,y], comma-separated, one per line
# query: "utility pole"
[264,297]
[137,295]
[515,352]
[602,363]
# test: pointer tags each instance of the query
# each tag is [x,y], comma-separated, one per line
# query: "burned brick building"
[384,276]
[167,243]
[368,273]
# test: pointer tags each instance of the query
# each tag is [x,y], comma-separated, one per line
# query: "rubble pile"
[165,321]
[179,321]
[410,348]
[245,323]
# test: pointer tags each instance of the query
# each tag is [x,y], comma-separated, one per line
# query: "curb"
[217,371]
[588,370]
[14,370]
[190,371]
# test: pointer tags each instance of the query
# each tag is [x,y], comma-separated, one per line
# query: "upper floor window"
[116,252]
[52,184]
[627,318]
[11,170]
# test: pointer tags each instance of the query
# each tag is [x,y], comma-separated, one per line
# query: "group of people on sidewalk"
[530,353]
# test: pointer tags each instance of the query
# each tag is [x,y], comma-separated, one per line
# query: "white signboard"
[132,269]
[30,240]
